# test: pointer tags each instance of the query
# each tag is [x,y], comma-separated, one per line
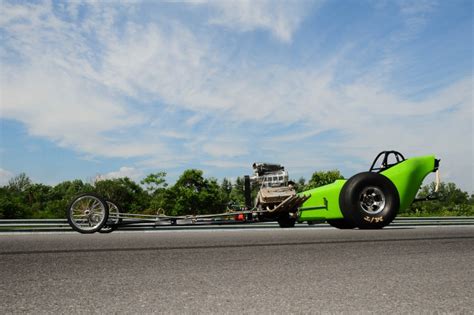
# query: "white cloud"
[57,92]
[77,92]
[226,164]
[124,171]
[225,148]
[69,111]
[281,18]
[5,176]
[415,15]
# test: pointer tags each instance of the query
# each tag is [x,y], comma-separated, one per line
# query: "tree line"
[191,194]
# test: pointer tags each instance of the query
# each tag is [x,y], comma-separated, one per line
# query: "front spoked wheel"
[113,220]
[87,213]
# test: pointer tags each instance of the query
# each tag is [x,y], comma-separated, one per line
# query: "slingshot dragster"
[367,200]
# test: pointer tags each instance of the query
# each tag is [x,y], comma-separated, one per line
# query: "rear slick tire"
[369,201]
[341,224]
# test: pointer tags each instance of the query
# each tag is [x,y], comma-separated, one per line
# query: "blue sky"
[129,88]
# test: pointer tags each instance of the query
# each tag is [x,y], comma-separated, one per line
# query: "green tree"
[157,188]
[225,191]
[162,201]
[14,198]
[155,181]
[38,196]
[226,187]
[193,194]
[300,184]
[186,191]
[450,201]
[19,183]
[125,193]
[12,205]
[61,195]
[237,193]
[321,178]
[213,199]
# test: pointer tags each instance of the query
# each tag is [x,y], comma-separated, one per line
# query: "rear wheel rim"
[87,213]
[372,200]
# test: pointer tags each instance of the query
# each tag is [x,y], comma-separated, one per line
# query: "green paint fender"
[407,176]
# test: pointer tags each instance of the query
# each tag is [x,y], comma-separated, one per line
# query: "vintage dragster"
[367,200]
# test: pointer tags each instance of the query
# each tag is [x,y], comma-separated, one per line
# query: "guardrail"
[55,225]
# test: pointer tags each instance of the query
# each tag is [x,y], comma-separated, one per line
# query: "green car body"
[407,176]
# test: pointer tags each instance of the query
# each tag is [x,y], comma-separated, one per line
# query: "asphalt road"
[397,270]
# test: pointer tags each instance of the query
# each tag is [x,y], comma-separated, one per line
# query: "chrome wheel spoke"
[87,213]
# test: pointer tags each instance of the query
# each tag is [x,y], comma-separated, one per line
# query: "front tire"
[87,213]
[369,201]
[285,221]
